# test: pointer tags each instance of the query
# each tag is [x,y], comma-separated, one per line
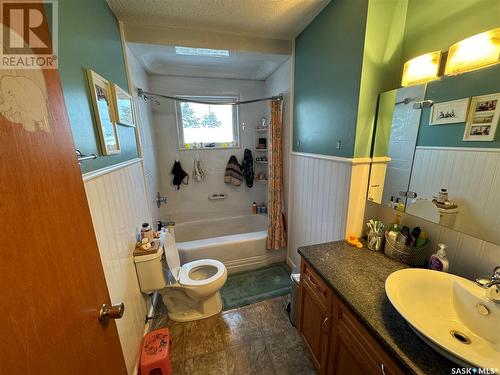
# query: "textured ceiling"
[163,60]
[273,19]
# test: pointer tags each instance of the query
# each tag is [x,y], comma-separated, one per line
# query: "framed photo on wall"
[449,112]
[483,118]
[102,94]
[124,106]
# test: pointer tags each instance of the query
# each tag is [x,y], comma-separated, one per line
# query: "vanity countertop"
[358,276]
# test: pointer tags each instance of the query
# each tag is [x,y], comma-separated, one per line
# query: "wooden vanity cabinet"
[315,315]
[338,342]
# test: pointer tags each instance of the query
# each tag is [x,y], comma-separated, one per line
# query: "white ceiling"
[163,60]
[272,19]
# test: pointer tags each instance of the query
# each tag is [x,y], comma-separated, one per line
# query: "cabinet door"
[315,318]
[351,357]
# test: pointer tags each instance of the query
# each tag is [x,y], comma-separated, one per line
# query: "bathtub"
[239,242]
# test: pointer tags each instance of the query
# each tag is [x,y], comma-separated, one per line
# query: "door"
[315,315]
[52,281]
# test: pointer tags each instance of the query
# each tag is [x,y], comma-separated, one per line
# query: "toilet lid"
[172,255]
[186,280]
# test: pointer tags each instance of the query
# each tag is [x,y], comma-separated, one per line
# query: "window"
[207,125]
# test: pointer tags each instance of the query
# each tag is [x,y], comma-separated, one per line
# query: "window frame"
[181,145]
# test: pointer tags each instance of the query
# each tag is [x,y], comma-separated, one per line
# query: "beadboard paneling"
[472,178]
[118,206]
[319,202]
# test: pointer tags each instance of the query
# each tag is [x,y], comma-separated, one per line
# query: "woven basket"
[413,256]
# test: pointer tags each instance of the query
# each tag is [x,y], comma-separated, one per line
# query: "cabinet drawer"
[316,285]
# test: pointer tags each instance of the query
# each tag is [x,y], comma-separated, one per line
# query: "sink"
[450,313]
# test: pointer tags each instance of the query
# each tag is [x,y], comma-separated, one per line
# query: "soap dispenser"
[439,261]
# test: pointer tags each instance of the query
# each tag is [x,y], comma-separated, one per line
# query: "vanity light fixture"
[421,69]
[475,52]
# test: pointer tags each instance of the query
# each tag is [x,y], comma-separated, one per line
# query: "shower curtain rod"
[152,96]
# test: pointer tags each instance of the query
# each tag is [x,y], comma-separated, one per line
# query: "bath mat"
[256,285]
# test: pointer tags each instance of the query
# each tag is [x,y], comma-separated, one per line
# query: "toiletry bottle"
[439,261]
[254,208]
[442,196]
[393,230]
[421,240]
[147,232]
[391,202]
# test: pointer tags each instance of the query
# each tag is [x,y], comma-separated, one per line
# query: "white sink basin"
[449,313]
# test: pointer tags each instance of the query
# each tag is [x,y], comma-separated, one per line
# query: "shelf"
[261,130]
[261,181]
[260,162]
[260,149]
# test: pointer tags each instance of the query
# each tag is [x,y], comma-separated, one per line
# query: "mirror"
[436,152]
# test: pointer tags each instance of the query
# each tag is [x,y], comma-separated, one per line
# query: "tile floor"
[254,339]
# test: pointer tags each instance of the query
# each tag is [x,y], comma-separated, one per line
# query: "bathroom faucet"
[491,284]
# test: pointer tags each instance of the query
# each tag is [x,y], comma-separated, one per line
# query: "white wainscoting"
[118,206]
[472,177]
[318,201]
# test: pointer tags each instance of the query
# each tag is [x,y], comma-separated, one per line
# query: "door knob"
[110,312]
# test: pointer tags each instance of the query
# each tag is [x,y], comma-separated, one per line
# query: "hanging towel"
[199,173]
[179,175]
[247,166]
[233,175]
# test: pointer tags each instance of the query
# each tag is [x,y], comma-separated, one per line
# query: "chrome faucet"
[491,284]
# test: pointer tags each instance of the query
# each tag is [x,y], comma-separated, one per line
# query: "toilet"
[191,291]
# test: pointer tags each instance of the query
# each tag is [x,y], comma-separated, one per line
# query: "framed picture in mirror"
[102,102]
[483,118]
[449,112]
[124,106]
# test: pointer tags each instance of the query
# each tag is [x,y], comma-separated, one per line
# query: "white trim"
[470,149]
[333,158]
[99,172]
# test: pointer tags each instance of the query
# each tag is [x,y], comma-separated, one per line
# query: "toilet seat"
[185,278]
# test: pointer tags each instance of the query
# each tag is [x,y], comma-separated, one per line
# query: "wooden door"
[315,316]
[52,281]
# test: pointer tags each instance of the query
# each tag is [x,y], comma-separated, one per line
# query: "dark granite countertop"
[358,276]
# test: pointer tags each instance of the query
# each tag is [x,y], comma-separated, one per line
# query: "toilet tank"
[149,270]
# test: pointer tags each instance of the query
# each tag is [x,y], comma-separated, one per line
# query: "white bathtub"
[239,242]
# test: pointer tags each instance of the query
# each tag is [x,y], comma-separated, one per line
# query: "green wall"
[433,25]
[381,64]
[436,25]
[384,122]
[89,38]
[328,59]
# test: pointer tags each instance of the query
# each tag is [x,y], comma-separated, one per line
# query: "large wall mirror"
[436,152]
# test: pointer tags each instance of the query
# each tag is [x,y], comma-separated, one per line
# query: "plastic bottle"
[147,232]
[439,261]
[254,208]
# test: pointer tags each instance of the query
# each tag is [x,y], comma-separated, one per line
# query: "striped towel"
[233,175]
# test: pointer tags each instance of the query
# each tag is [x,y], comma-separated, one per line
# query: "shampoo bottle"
[439,261]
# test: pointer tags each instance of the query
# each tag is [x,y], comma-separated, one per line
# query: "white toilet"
[191,291]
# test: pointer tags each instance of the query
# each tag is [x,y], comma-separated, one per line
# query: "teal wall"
[89,38]
[479,82]
[328,60]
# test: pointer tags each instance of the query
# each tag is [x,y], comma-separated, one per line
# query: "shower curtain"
[276,235]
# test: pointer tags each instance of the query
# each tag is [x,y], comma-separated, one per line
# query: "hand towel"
[247,166]
[179,175]
[233,175]
[198,171]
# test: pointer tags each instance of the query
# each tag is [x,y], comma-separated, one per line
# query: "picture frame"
[483,118]
[450,112]
[124,106]
[101,96]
